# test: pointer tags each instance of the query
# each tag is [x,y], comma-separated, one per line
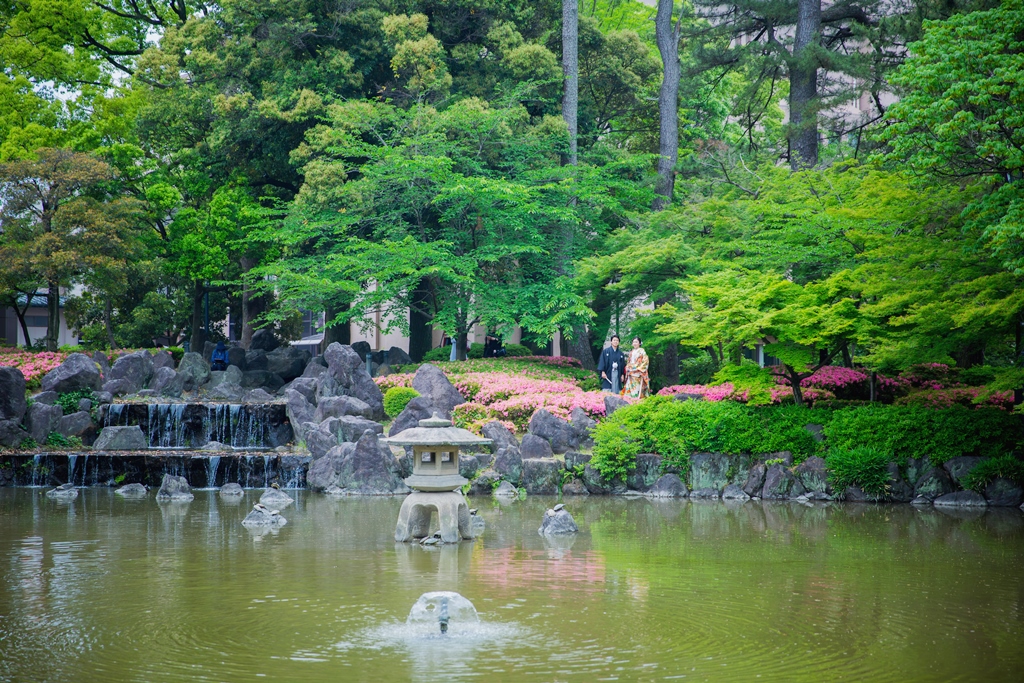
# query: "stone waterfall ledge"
[201,470]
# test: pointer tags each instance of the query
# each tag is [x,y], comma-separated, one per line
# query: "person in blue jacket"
[219,357]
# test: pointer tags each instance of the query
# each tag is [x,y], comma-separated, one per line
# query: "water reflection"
[647,590]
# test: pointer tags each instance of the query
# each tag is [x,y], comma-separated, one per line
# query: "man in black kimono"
[612,362]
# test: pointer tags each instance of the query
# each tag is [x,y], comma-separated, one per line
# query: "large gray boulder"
[226,391]
[78,371]
[397,356]
[346,376]
[915,469]
[598,485]
[276,498]
[958,468]
[264,340]
[262,516]
[583,426]
[499,435]
[899,490]
[121,439]
[315,368]
[415,410]
[255,359]
[288,361]
[299,411]
[709,471]
[814,475]
[338,406]
[557,521]
[167,382]
[11,433]
[163,359]
[613,403]
[1003,493]
[554,430]
[734,492]
[755,480]
[508,462]
[174,489]
[132,491]
[78,424]
[233,375]
[780,484]
[102,361]
[668,486]
[534,446]
[542,476]
[261,379]
[484,483]
[47,397]
[435,387]
[646,473]
[961,499]
[41,419]
[352,427]
[236,357]
[12,394]
[365,467]
[305,386]
[133,370]
[934,483]
[194,370]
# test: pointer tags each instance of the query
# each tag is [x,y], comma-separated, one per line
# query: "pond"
[106,589]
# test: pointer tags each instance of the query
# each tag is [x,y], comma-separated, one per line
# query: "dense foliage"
[409,165]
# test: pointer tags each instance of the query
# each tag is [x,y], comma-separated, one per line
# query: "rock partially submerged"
[174,489]
[132,491]
[506,490]
[232,490]
[63,492]
[261,515]
[276,498]
[557,521]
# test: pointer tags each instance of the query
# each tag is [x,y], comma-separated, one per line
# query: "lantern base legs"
[452,514]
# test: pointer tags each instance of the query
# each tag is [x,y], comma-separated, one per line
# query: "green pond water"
[106,589]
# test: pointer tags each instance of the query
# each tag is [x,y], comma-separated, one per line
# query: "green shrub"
[697,370]
[757,381]
[513,350]
[69,401]
[28,444]
[864,467]
[475,351]
[1005,466]
[57,440]
[438,354]
[903,432]
[396,398]
[977,376]
[675,429]
[177,352]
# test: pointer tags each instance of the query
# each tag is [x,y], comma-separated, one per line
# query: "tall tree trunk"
[579,347]
[460,348]
[20,315]
[108,313]
[1018,393]
[667,38]
[341,333]
[198,338]
[52,315]
[419,324]
[570,72]
[250,304]
[803,86]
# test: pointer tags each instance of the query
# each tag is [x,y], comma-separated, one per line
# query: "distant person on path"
[219,357]
[611,363]
[637,383]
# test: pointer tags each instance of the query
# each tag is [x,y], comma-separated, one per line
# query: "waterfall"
[85,469]
[72,461]
[114,415]
[37,462]
[212,463]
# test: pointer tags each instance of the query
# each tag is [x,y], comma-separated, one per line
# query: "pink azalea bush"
[967,396]
[33,364]
[490,387]
[719,392]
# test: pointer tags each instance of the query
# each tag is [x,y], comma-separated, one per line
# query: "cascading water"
[211,471]
[72,461]
[180,426]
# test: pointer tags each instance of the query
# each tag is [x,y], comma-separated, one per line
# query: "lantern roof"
[436,431]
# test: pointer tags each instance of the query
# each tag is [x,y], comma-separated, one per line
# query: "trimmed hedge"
[396,398]
[675,429]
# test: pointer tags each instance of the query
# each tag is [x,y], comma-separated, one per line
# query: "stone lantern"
[435,480]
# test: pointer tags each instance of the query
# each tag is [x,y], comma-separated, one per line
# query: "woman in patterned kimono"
[637,383]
